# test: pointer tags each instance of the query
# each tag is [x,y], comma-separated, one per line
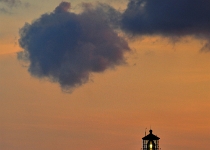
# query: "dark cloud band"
[168,18]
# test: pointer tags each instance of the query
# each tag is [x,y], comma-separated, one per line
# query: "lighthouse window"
[150,145]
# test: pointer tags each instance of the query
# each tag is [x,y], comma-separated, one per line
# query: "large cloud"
[169,18]
[67,47]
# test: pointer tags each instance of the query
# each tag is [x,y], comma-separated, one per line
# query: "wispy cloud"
[11,3]
[6,6]
[4,11]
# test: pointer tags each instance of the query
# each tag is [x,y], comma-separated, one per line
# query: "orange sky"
[164,86]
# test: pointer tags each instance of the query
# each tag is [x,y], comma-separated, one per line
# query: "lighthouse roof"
[150,136]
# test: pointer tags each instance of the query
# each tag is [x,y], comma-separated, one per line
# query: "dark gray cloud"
[170,18]
[66,47]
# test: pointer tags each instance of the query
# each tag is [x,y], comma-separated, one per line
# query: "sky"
[95,75]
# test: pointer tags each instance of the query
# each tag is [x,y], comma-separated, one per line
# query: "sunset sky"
[158,76]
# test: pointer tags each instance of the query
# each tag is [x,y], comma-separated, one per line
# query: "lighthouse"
[150,142]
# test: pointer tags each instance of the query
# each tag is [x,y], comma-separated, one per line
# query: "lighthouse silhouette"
[150,141]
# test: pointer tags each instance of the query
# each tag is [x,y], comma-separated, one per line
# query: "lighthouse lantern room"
[150,142]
